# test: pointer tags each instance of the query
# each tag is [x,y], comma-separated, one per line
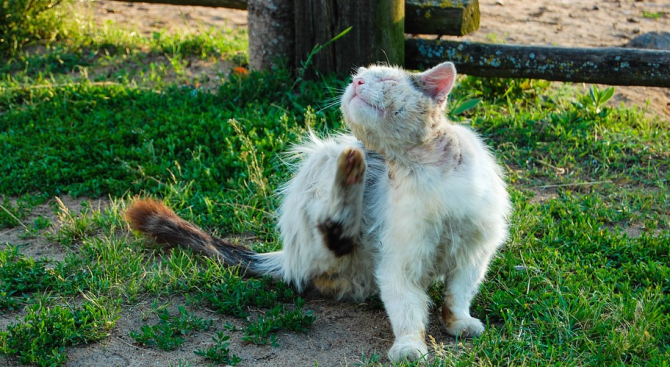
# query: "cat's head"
[389,108]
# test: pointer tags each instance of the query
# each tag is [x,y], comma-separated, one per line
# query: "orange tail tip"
[141,211]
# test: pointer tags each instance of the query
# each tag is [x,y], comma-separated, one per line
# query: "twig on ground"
[132,345]
[14,217]
[571,184]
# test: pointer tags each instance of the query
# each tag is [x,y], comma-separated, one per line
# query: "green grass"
[652,14]
[583,280]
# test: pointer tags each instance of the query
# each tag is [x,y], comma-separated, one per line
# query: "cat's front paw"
[465,328]
[351,167]
[408,348]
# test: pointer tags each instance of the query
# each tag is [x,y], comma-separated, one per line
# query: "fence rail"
[613,65]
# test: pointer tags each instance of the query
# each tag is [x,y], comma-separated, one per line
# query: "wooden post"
[613,65]
[454,18]
[377,34]
[271,33]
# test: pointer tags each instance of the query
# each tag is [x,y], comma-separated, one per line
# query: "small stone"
[500,3]
[651,40]
[596,7]
[636,30]
[633,20]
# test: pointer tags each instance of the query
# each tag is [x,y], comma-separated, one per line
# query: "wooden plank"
[454,18]
[614,65]
[376,35]
[231,4]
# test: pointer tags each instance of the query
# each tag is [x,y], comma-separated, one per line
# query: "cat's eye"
[391,80]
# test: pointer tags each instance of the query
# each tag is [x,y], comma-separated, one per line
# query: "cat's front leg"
[461,286]
[403,288]
[340,221]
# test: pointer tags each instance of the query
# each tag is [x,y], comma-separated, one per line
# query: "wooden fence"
[291,28]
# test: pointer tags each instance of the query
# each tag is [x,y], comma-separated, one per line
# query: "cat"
[406,199]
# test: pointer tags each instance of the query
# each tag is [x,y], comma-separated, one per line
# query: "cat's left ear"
[438,81]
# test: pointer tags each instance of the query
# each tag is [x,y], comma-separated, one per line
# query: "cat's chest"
[424,196]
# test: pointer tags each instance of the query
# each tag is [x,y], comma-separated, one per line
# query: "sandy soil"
[344,332]
[540,22]
[572,23]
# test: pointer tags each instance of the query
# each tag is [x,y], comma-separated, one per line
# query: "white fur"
[435,206]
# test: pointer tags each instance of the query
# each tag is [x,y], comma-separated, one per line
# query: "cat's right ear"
[438,81]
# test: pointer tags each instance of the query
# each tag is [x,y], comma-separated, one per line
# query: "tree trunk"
[377,34]
[271,34]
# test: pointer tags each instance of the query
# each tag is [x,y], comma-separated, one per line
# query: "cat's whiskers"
[329,105]
[335,100]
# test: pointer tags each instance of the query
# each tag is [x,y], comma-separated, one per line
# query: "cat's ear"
[438,81]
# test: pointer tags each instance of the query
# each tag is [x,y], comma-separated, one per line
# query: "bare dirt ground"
[568,23]
[571,23]
[344,332]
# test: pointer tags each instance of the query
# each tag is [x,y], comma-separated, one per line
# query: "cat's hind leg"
[340,221]
[320,221]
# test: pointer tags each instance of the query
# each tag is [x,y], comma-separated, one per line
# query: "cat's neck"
[438,150]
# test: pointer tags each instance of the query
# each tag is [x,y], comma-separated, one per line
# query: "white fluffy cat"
[408,199]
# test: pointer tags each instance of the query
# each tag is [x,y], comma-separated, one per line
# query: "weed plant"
[219,353]
[169,332]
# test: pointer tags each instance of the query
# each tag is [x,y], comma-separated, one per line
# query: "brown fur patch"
[447,315]
[351,167]
[329,284]
[334,238]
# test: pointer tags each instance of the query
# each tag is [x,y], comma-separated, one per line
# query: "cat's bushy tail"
[155,220]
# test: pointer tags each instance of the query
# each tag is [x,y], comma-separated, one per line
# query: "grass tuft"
[45,331]
[219,353]
[169,332]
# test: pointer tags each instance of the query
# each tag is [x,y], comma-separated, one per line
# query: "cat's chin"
[361,110]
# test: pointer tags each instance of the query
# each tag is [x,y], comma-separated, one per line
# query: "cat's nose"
[357,82]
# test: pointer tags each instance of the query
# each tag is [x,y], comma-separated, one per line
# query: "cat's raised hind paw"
[408,348]
[465,328]
[351,167]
